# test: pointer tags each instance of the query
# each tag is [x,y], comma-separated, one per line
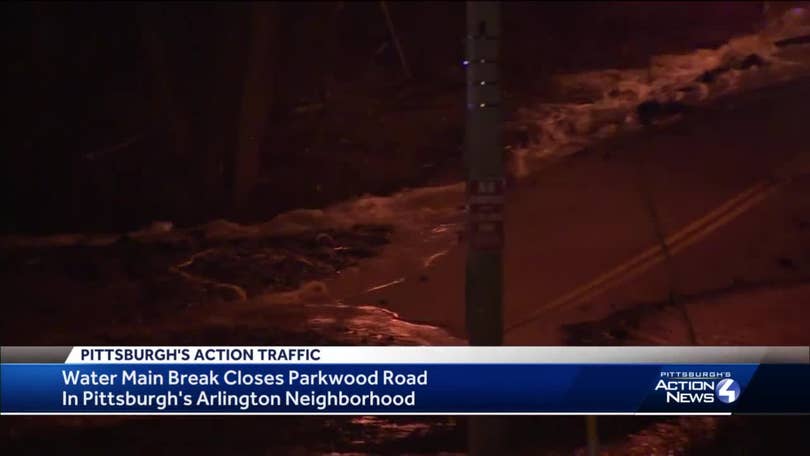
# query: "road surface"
[728,187]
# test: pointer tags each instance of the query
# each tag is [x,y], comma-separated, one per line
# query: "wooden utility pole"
[485,185]
[485,201]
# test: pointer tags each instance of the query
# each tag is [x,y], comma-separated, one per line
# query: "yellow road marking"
[686,236]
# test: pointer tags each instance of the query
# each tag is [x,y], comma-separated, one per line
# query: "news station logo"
[694,387]
[727,390]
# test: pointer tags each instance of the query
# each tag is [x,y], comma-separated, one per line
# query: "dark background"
[118,114]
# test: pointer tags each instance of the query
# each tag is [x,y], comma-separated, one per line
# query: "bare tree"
[155,51]
[257,96]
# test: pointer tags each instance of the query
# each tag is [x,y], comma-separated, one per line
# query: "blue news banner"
[31,388]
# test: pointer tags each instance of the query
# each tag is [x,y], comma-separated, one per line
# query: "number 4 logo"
[727,390]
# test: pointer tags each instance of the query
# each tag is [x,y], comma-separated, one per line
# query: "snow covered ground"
[599,104]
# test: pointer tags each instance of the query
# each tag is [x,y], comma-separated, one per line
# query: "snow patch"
[411,210]
[599,104]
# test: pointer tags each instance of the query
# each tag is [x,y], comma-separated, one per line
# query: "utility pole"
[485,184]
[485,202]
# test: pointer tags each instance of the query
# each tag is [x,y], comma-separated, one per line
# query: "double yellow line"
[686,236]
